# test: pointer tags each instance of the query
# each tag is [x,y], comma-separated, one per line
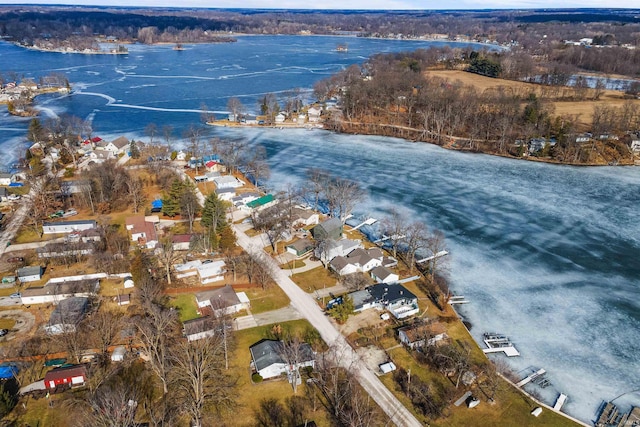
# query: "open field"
[582,109]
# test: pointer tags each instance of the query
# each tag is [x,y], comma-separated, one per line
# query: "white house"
[29,274]
[383,275]
[280,118]
[395,298]
[304,217]
[100,156]
[243,198]
[269,359]
[7,178]
[635,143]
[223,299]
[330,248]
[202,327]
[181,242]
[181,156]
[227,181]
[210,272]
[358,260]
[56,292]
[117,146]
[314,114]
[225,194]
[64,227]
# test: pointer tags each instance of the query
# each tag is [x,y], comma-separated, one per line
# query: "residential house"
[117,146]
[214,166]
[75,186]
[314,114]
[303,217]
[279,118]
[67,315]
[243,198]
[420,334]
[329,249]
[222,300]
[100,156]
[181,242]
[227,181]
[395,298]
[29,274]
[181,156]
[268,358]
[357,261]
[91,235]
[64,227]
[143,230]
[583,137]
[384,275]
[249,120]
[261,203]
[329,229]
[225,194]
[73,376]
[300,247]
[7,178]
[64,249]
[210,272]
[202,327]
[187,269]
[634,144]
[59,291]
[362,300]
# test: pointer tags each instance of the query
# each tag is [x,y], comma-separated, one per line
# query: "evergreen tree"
[227,238]
[171,200]
[134,152]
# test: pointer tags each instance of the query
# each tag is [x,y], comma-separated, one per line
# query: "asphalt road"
[307,306]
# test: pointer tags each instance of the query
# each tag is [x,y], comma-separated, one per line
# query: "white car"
[13,197]
[70,212]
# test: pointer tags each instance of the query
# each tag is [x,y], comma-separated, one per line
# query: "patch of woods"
[389,95]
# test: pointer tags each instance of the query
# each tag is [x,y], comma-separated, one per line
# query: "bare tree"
[317,181]
[343,195]
[167,255]
[394,227]
[415,241]
[199,379]
[135,191]
[234,105]
[105,325]
[155,332]
[151,130]
[189,205]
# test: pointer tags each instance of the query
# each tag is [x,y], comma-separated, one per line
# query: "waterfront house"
[29,274]
[314,114]
[222,301]
[227,181]
[303,217]
[357,261]
[73,376]
[634,144]
[420,334]
[261,203]
[181,156]
[7,178]
[225,194]
[269,359]
[329,249]
[384,275]
[279,118]
[395,298]
[243,198]
[329,229]
[117,146]
[64,227]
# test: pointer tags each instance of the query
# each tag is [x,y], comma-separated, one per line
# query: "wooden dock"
[559,402]
[531,377]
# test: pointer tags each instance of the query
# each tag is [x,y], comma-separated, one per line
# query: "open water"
[548,255]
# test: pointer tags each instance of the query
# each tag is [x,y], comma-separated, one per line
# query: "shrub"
[256,378]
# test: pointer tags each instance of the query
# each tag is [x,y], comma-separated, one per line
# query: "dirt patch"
[24,322]
[372,356]
[365,319]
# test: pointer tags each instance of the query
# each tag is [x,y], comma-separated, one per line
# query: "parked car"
[3,332]
[13,197]
[70,212]
[16,295]
[57,214]
[15,259]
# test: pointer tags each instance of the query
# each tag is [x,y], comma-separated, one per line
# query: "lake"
[546,254]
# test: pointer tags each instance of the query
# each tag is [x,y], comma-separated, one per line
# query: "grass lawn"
[186,305]
[312,280]
[266,300]
[5,292]
[296,263]
[249,394]
[6,323]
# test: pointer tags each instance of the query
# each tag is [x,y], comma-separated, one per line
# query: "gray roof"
[268,352]
[329,228]
[225,294]
[63,223]
[69,311]
[201,324]
[360,298]
[29,271]
[3,192]
[381,272]
[88,286]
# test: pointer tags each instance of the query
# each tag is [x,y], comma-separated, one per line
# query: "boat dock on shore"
[498,343]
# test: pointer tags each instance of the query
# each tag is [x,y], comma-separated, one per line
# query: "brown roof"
[418,332]
[181,238]
[201,324]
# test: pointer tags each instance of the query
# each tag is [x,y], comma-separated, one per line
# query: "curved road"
[308,307]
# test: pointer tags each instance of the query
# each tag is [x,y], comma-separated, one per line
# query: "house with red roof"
[73,376]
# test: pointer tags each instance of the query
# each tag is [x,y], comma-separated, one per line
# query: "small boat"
[342,48]
[178,46]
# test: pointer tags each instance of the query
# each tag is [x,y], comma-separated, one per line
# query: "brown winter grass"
[582,109]
[313,280]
